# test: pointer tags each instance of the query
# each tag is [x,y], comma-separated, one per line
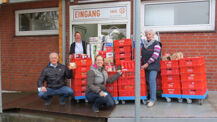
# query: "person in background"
[151,55]
[55,75]
[77,47]
[96,91]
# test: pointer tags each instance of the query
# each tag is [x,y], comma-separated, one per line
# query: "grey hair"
[54,53]
[150,30]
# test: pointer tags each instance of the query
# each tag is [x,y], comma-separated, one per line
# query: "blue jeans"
[63,93]
[98,100]
[151,82]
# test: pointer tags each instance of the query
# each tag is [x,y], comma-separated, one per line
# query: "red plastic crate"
[131,93]
[194,84]
[81,69]
[193,69]
[79,93]
[80,75]
[193,76]
[123,55]
[172,71]
[123,49]
[171,85]
[79,82]
[128,66]
[194,91]
[169,78]
[131,87]
[79,87]
[82,62]
[114,93]
[122,42]
[194,61]
[119,60]
[171,91]
[169,64]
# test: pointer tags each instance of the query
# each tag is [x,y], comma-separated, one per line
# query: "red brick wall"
[23,57]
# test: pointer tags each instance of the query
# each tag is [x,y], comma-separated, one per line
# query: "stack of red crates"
[123,50]
[126,83]
[193,76]
[171,83]
[112,87]
[79,79]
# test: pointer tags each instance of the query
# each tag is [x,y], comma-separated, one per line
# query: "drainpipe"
[62,32]
[0,80]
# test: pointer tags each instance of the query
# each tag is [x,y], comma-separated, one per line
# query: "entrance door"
[86,30]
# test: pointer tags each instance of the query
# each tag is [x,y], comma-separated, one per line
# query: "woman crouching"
[96,91]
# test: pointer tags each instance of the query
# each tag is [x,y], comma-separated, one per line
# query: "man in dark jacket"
[55,74]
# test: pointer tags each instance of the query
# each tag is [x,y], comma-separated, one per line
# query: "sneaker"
[95,109]
[47,102]
[150,104]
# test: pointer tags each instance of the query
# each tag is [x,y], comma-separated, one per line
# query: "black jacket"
[146,55]
[55,77]
[72,48]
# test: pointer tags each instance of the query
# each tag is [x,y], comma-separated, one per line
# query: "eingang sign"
[100,13]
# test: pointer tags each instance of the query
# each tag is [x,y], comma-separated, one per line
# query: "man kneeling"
[55,74]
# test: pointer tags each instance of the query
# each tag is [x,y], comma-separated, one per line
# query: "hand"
[70,57]
[71,67]
[101,93]
[119,71]
[144,66]
[44,89]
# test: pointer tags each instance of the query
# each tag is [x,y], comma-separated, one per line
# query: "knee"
[110,104]
[69,91]
[41,94]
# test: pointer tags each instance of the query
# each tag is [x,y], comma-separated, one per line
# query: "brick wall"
[23,57]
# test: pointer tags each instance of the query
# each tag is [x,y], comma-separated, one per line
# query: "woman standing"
[151,54]
[96,91]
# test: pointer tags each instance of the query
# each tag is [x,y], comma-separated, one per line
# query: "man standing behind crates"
[55,74]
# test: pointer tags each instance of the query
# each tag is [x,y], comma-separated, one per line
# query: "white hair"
[150,30]
[53,53]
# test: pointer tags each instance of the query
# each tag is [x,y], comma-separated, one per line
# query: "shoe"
[47,102]
[150,104]
[95,109]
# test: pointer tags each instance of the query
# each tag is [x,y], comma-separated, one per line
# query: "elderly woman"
[96,91]
[151,54]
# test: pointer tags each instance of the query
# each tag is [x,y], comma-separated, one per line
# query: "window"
[116,32]
[37,22]
[187,15]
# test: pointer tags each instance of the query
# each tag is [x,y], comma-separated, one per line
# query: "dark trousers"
[98,100]
[63,93]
